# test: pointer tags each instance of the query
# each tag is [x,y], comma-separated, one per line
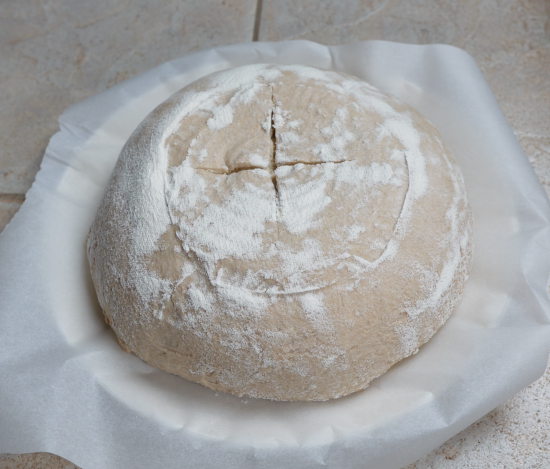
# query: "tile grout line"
[257,18]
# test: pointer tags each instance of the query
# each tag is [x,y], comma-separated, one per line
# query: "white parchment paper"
[67,388]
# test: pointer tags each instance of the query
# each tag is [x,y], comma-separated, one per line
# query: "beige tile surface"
[34,461]
[510,41]
[9,204]
[57,52]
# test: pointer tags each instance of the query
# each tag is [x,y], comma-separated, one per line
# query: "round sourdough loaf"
[281,232]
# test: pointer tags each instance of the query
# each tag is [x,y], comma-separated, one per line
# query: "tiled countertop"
[54,53]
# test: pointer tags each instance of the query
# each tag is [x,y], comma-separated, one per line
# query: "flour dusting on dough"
[282,232]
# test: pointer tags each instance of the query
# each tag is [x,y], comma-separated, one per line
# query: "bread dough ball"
[281,232]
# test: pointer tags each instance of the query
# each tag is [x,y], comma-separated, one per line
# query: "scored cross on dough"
[295,152]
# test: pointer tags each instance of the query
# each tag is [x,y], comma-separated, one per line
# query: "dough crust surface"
[281,232]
